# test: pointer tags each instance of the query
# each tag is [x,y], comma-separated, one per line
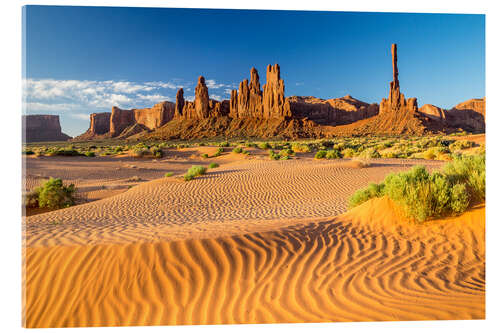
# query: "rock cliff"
[38,128]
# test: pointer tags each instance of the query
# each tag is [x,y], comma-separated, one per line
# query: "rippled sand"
[252,241]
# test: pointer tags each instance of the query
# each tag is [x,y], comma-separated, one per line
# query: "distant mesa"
[38,128]
[253,111]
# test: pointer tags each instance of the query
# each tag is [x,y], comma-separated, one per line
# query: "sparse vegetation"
[169,174]
[52,194]
[423,195]
[238,150]
[320,154]
[194,171]
[213,165]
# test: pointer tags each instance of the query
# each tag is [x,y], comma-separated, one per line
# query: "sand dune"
[343,269]
[254,241]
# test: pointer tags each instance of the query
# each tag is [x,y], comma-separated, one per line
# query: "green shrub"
[194,171]
[28,152]
[169,174]
[369,153]
[224,144]
[273,155]
[286,152]
[421,195]
[301,148]
[188,177]
[371,191]
[204,155]
[157,152]
[140,152]
[89,154]
[218,152]
[284,157]
[320,154]
[238,150]
[213,165]
[53,194]
[264,145]
[332,154]
[348,152]
[459,145]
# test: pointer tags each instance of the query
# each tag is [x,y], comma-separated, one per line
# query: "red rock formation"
[99,126]
[150,118]
[120,119]
[244,100]
[397,102]
[469,115]
[336,111]
[433,112]
[255,96]
[38,128]
[201,100]
[274,103]
[179,102]
[233,107]
[156,116]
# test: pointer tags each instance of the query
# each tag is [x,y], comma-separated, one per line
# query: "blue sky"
[81,60]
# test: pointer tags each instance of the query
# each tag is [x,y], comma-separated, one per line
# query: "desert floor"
[253,241]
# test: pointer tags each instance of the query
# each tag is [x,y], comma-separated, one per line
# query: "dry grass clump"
[359,163]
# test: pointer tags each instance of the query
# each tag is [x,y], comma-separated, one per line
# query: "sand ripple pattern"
[336,270]
[237,196]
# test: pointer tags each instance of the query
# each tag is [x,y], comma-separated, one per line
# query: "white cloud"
[82,116]
[50,95]
[214,85]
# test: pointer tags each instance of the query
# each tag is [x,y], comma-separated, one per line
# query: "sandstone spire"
[179,102]
[233,105]
[396,101]
[201,99]
[274,103]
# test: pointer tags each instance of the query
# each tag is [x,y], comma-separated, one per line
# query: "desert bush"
[421,195]
[332,154]
[348,152]
[213,165]
[194,171]
[459,145]
[369,153]
[28,152]
[320,154]
[264,145]
[89,154]
[238,150]
[205,155]
[286,152]
[284,157]
[300,147]
[224,144]
[52,194]
[359,163]
[140,152]
[371,191]
[156,152]
[218,152]
[169,174]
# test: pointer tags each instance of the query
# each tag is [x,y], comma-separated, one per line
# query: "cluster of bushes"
[52,194]
[328,154]
[423,195]
[194,171]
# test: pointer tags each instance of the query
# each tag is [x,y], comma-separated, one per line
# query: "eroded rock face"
[396,101]
[179,102]
[120,119]
[274,103]
[150,118]
[155,116]
[37,128]
[468,115]
[233,104]
[433,112]
[336,111]
[99,123]
[201,100]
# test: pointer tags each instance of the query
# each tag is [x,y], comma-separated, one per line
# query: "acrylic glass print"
[196,166]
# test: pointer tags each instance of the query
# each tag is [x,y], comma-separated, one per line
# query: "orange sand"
[251,242]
